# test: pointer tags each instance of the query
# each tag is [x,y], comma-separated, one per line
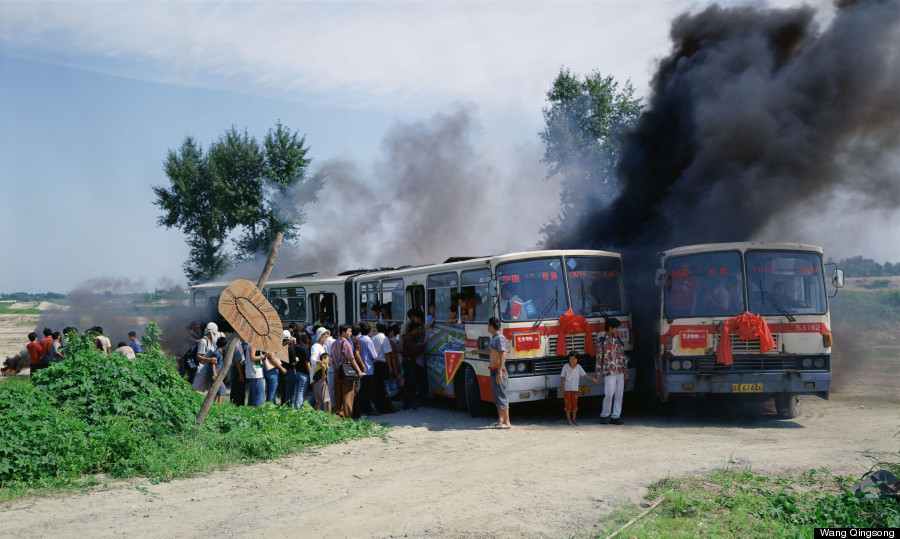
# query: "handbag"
[347,372]
[391,387]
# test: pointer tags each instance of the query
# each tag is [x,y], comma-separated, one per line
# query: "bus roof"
[741,246]
[462,263]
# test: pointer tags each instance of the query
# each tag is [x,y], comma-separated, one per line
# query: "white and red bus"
[711,340]
[530,292]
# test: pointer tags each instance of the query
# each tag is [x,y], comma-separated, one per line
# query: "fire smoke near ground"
[758,116]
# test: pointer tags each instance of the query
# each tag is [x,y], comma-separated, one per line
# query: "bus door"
[445,339]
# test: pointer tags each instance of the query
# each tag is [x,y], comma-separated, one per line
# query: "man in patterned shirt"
[612,365]
[499,376]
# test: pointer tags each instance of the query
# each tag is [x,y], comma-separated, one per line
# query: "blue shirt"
[368,354]
[136,346]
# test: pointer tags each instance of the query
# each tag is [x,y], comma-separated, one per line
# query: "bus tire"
[459,391]
[473,393]
[788,406]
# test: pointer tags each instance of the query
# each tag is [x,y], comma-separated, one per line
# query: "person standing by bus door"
[499,376]
[611,364]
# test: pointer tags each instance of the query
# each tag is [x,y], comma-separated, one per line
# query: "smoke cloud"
[759,119]
[435,193]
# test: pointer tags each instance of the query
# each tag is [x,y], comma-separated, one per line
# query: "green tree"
[237,185]
[284,172]
[191,204]
[584,124]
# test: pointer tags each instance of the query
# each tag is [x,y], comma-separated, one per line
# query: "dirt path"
[442,473]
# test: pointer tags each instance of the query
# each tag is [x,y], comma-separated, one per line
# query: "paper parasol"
[251,315]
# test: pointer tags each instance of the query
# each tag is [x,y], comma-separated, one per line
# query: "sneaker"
[604,420]
[616,421]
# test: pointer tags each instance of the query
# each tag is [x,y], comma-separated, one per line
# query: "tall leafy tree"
[237,185]
[284,172]
[584,123]
[191,204]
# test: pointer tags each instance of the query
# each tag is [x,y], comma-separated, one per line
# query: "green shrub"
[127,417]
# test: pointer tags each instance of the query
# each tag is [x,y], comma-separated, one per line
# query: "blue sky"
[93,94]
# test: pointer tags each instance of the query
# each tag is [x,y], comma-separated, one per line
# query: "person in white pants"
[612,365]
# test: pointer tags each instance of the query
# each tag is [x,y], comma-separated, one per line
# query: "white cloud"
[495,53]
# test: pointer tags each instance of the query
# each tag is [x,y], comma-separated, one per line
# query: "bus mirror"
[493,288]
[660,277]
[837,278]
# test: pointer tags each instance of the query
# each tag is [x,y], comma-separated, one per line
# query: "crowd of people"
[52,347]
[350,370]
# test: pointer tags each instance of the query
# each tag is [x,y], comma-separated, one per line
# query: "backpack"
[189,358]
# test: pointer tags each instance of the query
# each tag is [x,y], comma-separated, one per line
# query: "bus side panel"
[439,339]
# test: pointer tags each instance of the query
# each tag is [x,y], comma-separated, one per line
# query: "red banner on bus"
[452,361]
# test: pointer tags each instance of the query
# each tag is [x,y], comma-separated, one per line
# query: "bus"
[549,302]
[713,298]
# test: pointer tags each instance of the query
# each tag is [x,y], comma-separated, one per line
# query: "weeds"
[742,503]
[94,413]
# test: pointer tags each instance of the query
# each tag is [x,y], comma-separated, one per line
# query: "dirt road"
[442,473]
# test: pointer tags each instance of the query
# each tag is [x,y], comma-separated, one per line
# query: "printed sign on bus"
[694,341]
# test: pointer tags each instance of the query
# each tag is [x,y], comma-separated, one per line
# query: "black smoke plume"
[755,117]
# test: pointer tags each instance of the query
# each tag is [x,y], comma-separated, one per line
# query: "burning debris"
[15,364]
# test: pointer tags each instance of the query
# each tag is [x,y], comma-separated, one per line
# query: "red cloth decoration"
[747,327]
[568,324]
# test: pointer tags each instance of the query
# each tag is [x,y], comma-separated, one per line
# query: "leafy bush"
[126,417]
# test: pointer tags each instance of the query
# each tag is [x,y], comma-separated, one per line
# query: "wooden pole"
[229,355]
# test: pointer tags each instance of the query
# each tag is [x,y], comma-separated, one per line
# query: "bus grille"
[756,364]
[742,347]
[574,342]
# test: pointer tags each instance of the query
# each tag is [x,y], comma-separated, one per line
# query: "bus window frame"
[287,298]
[564,280]
[742,284]
[788,253]
[486,299]
[453,288]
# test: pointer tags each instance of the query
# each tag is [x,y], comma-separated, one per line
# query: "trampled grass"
[7,310]
[735,503]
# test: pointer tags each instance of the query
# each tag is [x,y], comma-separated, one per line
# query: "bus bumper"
[535,388]
[808,383]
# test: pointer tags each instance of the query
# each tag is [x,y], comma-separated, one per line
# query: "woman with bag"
[347,371]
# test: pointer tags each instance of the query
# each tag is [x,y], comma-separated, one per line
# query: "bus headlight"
[686,364]
[819,363]
[806,363]
[511,368]
[522,367]
[675,364]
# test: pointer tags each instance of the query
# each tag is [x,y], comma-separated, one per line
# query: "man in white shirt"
[382,371]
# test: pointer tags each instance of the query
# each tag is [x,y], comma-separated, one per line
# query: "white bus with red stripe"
[549,302]
[745,318]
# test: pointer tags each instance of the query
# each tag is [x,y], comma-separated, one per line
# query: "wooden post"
[229,354]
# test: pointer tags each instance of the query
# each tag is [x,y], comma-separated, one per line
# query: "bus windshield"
[791,281]
[531,287]
[704,284]
[596,285]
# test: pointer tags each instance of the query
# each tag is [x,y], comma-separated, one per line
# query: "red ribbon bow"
[747,327]
[569,324]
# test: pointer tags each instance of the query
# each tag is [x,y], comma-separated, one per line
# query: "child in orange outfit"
[571,374]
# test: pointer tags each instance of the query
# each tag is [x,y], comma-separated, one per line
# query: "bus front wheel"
[788,406]
[473,393]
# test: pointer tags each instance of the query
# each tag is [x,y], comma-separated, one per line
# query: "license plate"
[584,390]
[746,388]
